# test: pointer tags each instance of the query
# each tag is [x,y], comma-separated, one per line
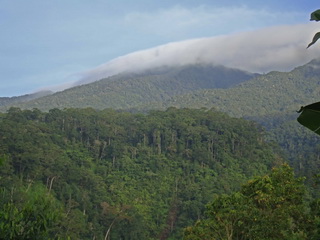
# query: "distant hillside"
[8,101]
[238,93]
[133,89]
[266,94]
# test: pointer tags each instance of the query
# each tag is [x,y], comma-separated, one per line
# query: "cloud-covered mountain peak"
[275,48]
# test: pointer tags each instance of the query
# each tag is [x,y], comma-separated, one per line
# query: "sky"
[55,44]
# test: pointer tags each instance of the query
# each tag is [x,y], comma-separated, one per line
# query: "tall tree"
[267,207]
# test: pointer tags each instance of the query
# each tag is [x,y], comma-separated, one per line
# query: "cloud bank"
[278,48]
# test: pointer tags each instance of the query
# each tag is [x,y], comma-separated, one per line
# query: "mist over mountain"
[279,48]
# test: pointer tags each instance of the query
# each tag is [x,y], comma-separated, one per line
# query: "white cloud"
[275,48]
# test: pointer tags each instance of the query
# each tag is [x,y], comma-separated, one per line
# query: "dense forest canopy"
[88,174]
[267,207]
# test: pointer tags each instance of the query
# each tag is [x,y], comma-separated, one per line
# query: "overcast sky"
[46,43]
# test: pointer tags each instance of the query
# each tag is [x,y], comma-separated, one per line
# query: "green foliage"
[104,168]
[271,99]
[228,213]
[309,117]
[314,39]
[30,213]
[268,207]
[315,16]
[309,114]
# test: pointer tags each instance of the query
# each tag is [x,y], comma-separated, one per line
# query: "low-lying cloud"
[278,48]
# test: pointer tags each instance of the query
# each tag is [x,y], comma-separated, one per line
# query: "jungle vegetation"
[89,174]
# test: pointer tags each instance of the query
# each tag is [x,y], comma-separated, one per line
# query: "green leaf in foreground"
[310,117]
[315,16]
[315,39]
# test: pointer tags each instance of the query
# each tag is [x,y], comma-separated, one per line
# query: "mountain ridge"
[128,90]
[266,94]
[5,101]
[236,92]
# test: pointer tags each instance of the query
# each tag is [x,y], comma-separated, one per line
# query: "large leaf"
[315,16]
[310,117]
[315,38]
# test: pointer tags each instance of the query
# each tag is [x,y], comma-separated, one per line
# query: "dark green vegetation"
[315,16]
[310,116]
[267,207]
[88,174]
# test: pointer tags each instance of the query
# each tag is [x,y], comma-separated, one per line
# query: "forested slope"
[267,94]
[235,92]
[9,101]
[86,174]
[129,90]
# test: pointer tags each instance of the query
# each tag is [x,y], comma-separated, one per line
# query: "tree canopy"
[85,174]
[267,207]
